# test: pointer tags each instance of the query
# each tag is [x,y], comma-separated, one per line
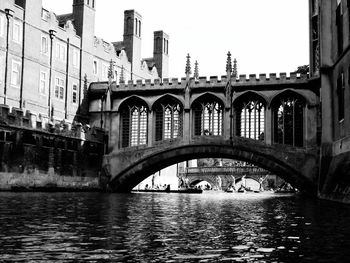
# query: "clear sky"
[266,36]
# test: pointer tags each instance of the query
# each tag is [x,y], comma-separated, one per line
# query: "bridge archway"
[288,110]
[208,115]
[298,169]
[168,116]
[250,115]
[134,121]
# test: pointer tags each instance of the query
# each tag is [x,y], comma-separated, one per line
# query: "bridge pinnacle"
[188,66]
[110,71]
[196,72]
[235,70]
[121,78]
[229,65]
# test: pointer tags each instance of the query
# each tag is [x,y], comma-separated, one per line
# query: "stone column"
[187,127]
[150,129]
[268,125]
[114,134]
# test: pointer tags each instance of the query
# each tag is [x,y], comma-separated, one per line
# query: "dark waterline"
[209,227]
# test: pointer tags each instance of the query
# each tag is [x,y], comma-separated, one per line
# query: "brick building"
[46,60]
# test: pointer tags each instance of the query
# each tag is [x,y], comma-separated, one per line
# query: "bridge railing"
[225,170]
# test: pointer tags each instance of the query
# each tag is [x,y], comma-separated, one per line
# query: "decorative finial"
[196,72]
[110,71]
[235,70]
[188,66]
[121,79]
[228,65]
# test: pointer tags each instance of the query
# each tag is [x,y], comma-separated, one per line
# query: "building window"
[45,15]
[289,121]
[75,93]
[168,124]
[1,70]
[339,23]
[251,119]
[16,73]
[208,117]
[134,119]
[95,68]
[61,51]
[2,25]
[105,68]
[75,58]
[44,44]
[59,88]
[340,91]
[16,33]
[43,81]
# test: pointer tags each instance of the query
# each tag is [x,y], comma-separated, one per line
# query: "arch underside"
[135,173]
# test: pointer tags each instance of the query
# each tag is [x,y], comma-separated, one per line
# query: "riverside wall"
[54,157]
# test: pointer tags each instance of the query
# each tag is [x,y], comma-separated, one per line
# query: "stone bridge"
[130,166]
[226,174]
[268,121]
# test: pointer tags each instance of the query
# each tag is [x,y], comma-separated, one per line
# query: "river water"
[208,227]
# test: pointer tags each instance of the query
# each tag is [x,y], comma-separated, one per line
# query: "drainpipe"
[9,14]
[52,35]
[67,72]
[21,104]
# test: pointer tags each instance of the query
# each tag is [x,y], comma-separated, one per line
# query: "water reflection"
[93,227]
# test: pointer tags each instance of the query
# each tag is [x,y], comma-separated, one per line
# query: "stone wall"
[56,156]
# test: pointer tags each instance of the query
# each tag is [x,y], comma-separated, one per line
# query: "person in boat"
[243,187]
[146,187]
[233,183]
[261,181]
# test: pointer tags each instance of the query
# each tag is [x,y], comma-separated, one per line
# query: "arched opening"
[288,119]
[126,175]
[250,117]
[208,113]
[168,119]
[134,119]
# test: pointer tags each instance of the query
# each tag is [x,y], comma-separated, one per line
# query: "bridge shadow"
[130,166]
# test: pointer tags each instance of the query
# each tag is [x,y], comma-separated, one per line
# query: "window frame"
[75,57]
[18,35]
[43,81]
[44,49]
[59,89]
[60,51]
[75,93]
[95,67]
[2,25]
[18,63]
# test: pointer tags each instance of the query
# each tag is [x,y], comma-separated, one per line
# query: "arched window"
[134,118]
[208,117]
[288,121]
[139,28]
[136,25]
[250,119]
[168,120]
[129,23]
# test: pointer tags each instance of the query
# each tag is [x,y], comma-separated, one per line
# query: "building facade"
[47,61]
[330,64]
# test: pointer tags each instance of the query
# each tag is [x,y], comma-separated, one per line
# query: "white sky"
[266,36]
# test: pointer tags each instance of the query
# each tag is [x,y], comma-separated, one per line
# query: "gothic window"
[129,27]
[208,117]
[168,120]
[339,23]
[250,119]
[340,93]
[134,118]
[288,121]
[139,28]
[136,25]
